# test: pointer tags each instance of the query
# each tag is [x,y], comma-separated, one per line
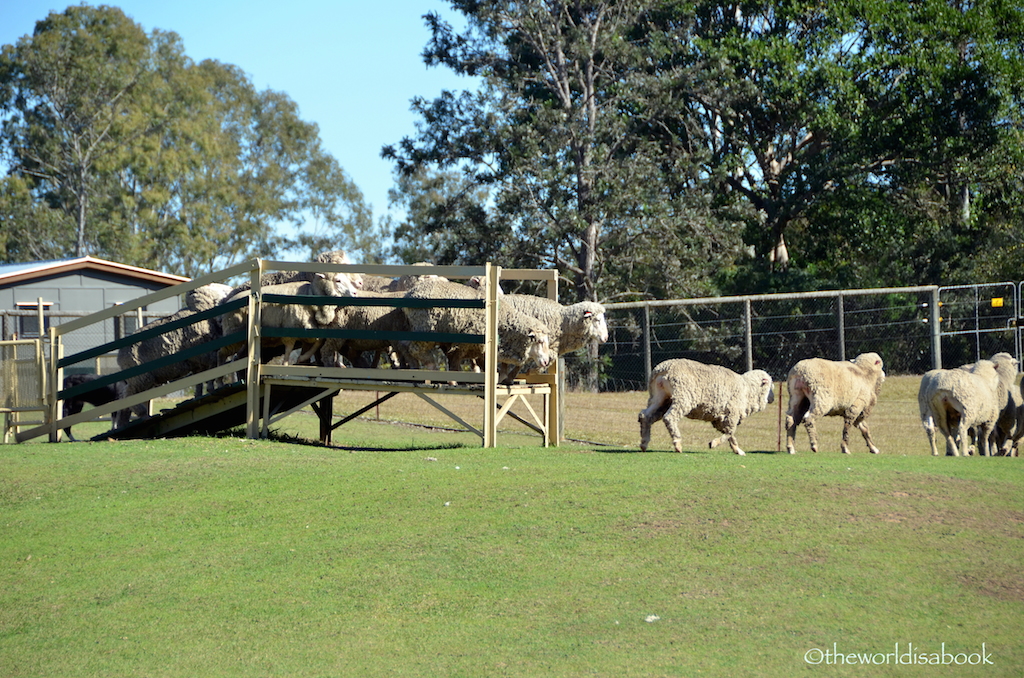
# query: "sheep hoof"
[714,443]
[741,453]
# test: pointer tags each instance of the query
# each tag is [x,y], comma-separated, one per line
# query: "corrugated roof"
[19,272]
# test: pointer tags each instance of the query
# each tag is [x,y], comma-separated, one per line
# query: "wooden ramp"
[227,407]
[221,410]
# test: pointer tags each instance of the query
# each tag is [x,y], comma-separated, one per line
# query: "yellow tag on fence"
[997,302]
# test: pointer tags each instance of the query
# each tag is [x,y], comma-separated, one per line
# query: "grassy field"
[407,550]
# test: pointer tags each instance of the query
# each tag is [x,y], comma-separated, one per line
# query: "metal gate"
[979,320]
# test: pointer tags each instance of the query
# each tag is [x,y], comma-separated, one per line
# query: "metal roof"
[20,272]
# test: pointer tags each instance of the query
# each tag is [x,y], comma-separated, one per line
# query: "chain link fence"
[15,325]
[914,329]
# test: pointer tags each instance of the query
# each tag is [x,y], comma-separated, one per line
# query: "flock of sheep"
[976,406]
[531,329]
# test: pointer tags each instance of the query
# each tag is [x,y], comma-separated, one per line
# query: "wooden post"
[493,275]
[48,391]
[326,414]
[252,379]
[556,401]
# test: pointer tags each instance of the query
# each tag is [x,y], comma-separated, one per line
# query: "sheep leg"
[928,422]
[731,439]
[984,432]
[863,426]
[964,437]
[812,433]
[672,424]
[310,352]
[798,406]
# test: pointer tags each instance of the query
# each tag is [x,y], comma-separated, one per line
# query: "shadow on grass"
[277,436]
[636,450]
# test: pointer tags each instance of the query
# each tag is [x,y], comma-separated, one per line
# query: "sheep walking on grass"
[974,397]
[829,388]
[686,388]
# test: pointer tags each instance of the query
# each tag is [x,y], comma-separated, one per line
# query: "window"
[28,324]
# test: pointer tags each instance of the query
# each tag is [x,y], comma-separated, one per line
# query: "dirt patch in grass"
[1004,586]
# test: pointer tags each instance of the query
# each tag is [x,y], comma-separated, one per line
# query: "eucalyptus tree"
[821,102]
[67,92]
[557,132]
[122,146]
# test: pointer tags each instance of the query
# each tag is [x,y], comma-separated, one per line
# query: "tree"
[556,131]
[858,97]
[156,160]
[67,91]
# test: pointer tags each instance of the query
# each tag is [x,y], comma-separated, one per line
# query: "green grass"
[415,553]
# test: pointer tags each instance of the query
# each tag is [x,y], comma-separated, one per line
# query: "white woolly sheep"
[521,338]
[571,327]
[367,318]
[826,388]
[686,388]
[152,349]
[207,296]
[352,282]
[972,396]
[289,316]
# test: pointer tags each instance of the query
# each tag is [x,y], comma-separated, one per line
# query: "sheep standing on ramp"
[829,388]
[686,388]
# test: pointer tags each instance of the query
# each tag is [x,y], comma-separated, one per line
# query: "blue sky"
[352,66]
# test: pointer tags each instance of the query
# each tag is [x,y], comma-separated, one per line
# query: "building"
[71,288]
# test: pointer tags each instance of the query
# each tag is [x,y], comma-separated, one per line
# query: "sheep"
[294,316]
[352,282]
[972,396]
[367,318]
[521,338]
[823,388]
[686,388]
[207,296]
[571,327]
[1009,428]
[98,396]
[407,282]
[148,350]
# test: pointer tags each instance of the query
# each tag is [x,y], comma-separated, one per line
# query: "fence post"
[842,326]
[747,323]
[936,321]
[647,343]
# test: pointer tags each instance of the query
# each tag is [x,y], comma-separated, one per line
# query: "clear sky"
[352,66]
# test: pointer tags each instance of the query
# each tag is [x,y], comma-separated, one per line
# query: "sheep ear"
[321,275]
[588,314]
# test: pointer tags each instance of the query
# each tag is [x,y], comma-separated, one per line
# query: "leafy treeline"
[645,148]
[120,146]
[667,148]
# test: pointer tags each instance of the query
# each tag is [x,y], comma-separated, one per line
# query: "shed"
[71,288]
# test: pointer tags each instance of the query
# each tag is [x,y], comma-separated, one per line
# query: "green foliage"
[876,142]
[157,160]
[562,132]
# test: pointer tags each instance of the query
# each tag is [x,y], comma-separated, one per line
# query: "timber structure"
[257,394]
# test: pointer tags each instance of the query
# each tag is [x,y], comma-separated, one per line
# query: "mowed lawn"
[410,551]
